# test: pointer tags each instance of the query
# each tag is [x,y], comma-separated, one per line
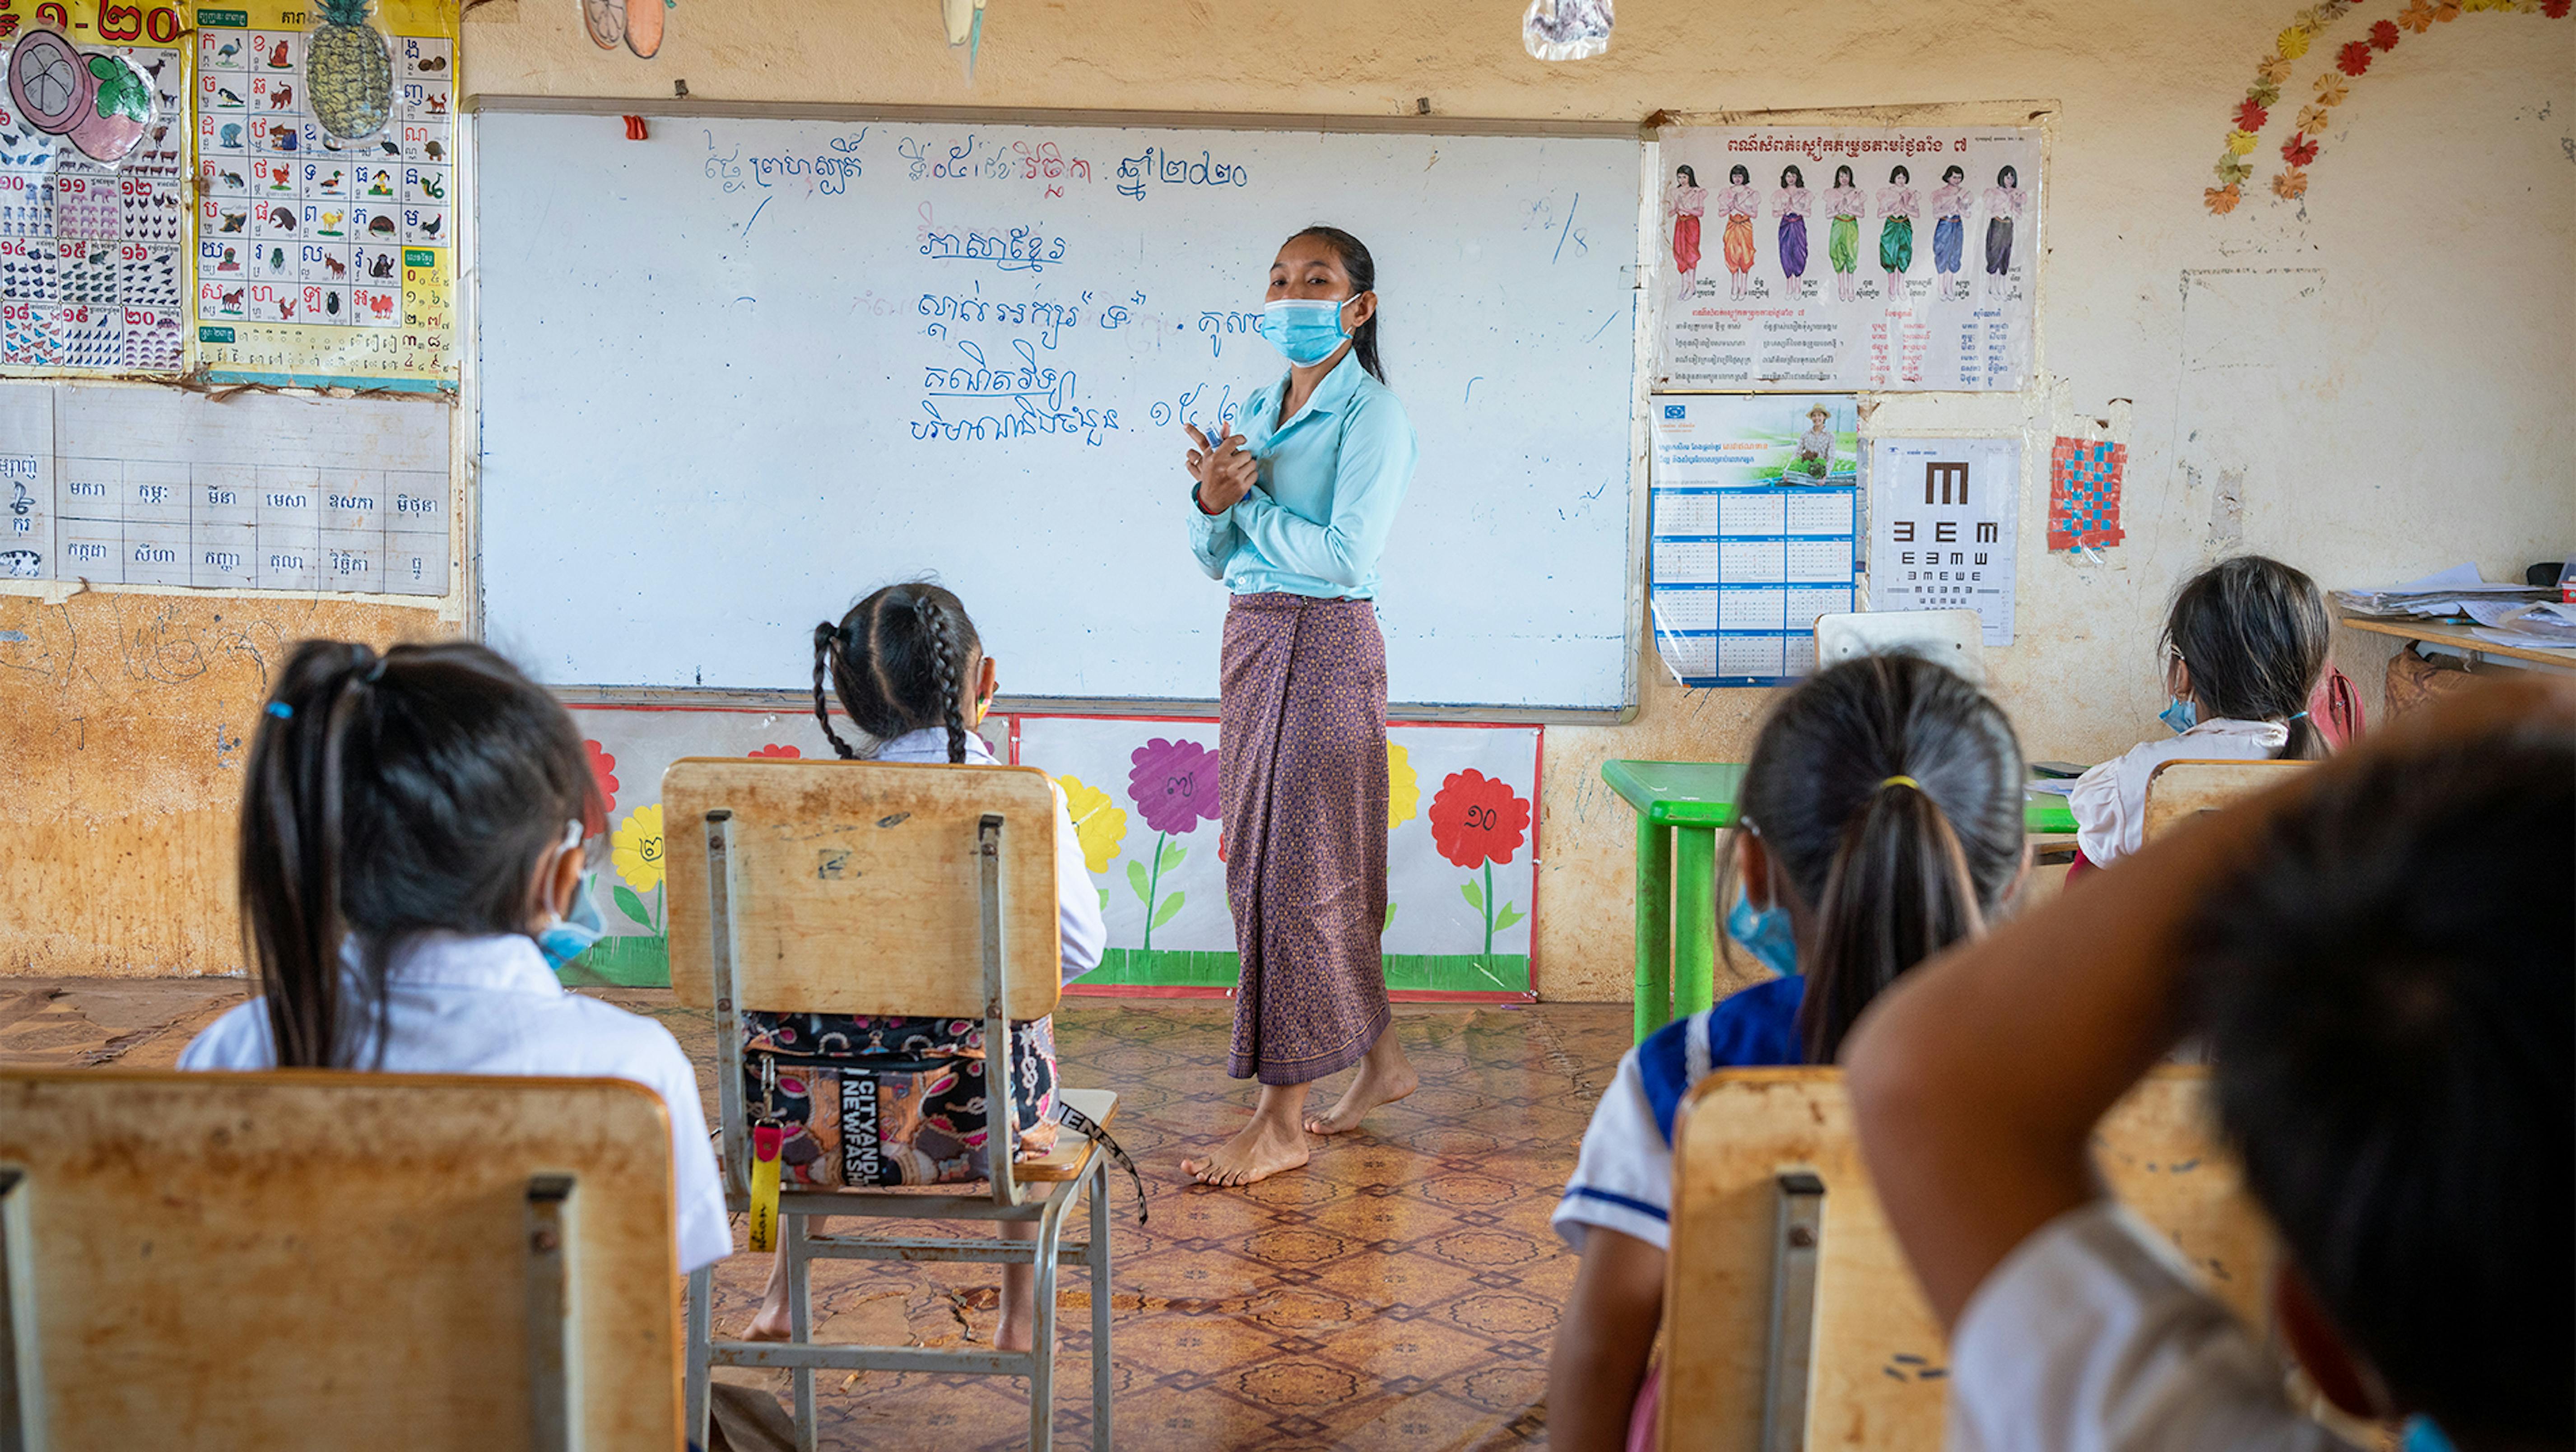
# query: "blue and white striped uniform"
[1623,1180]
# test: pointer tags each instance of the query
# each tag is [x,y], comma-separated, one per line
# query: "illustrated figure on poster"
[1292,515]
[1740,204]
[2004,202]
[1844,204]
[1685,203]
[1791,205]
[1897,203]
[1816,445]
[1950,230]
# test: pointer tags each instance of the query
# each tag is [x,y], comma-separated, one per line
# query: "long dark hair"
[389,796]
[1889,791]
[1362,271]
[1790,176]
[904,659]
[2253,633]
[1842,176]
[1687,174]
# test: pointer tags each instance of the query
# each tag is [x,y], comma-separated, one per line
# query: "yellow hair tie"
[1901,781]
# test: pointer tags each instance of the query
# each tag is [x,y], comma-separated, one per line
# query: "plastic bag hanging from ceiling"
[1564,30]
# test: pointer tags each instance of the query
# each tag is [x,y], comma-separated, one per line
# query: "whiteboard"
[737,375]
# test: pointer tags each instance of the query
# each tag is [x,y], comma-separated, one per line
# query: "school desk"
[1681,807]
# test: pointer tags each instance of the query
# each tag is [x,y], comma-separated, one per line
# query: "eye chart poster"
[92,256]
[1889,259]
[1753,521]
[323,262]
[1943,518]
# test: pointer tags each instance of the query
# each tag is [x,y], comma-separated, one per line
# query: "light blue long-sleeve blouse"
[1331,480]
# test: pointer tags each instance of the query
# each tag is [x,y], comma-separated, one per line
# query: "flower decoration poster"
[1145,799]
[1881,258]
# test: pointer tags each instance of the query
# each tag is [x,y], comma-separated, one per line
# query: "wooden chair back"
[324,1260]
[855,885]
[2180,790]
[1955,638]
[1756,1149]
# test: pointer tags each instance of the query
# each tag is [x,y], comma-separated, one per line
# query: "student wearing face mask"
[416,838]
[1291,514]
[1881,822]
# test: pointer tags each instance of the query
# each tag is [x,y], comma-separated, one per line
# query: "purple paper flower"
[1174,784]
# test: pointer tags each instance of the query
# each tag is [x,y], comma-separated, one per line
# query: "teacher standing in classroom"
[1292,514]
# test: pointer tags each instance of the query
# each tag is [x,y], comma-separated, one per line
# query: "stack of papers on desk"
[2446,593]
[2533,627]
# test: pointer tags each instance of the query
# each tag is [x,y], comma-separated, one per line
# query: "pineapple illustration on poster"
[326,226]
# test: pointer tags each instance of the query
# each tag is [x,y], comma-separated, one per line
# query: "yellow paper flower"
[1403,787]
[635,850]
[2312,119]
[2221,200]
[2290,185]
[2276,70]
[2293,42]
[2331,89]
[1099,823]
[2241,142]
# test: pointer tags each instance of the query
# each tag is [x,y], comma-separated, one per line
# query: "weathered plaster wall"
[2377,378]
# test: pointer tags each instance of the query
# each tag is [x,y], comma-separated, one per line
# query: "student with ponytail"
[417,833]
[2244,647]
[912,675]
[1879,821]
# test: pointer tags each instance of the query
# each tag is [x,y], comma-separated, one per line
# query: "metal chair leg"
[701,1331]
[1099,1267]
[1042,1334]
[800,1323]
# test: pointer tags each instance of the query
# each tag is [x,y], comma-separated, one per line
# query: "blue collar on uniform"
[1338,388]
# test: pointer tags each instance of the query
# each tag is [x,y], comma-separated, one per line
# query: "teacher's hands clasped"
[1224,469]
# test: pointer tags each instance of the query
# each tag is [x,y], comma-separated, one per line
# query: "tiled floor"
[1401,1291]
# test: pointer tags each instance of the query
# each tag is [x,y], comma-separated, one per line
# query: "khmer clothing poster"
[1892,259]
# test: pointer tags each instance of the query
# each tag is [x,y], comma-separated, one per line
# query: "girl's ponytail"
[294,836]
[1898,891]
[827,641]
[947,672]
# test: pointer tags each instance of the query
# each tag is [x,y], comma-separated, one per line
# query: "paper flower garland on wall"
[2351,61]
[1565,30]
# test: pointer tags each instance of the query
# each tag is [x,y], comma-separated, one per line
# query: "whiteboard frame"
[468,549]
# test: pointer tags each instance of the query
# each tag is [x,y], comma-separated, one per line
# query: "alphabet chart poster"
[92,256]
[1944,514]
[154,486]
[323,262]
[1754,529]
[1891,259]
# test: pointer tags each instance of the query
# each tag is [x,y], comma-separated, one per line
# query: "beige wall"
[2378,378]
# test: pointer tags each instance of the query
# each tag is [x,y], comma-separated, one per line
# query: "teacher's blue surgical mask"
[1307,330]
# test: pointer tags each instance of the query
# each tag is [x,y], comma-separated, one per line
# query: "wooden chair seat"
[1066,1160]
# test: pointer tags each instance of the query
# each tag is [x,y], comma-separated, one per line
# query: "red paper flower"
[2354,58]
[1476,819]
[2554,9]
[2384,35]
[783,753]
[2250,116]
[603,770]
[2298,150]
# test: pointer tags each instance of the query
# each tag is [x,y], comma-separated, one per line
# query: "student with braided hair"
[910,671]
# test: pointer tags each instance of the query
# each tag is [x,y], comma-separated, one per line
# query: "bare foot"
[769,1323]
[1263,1148]
[1014,1333]
[1376,1084]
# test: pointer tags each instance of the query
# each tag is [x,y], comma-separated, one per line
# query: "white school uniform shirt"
[2095,1336]
[458,1004]
[2110,801]
[1077,901]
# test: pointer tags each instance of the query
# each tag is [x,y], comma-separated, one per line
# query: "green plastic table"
[1681,807]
